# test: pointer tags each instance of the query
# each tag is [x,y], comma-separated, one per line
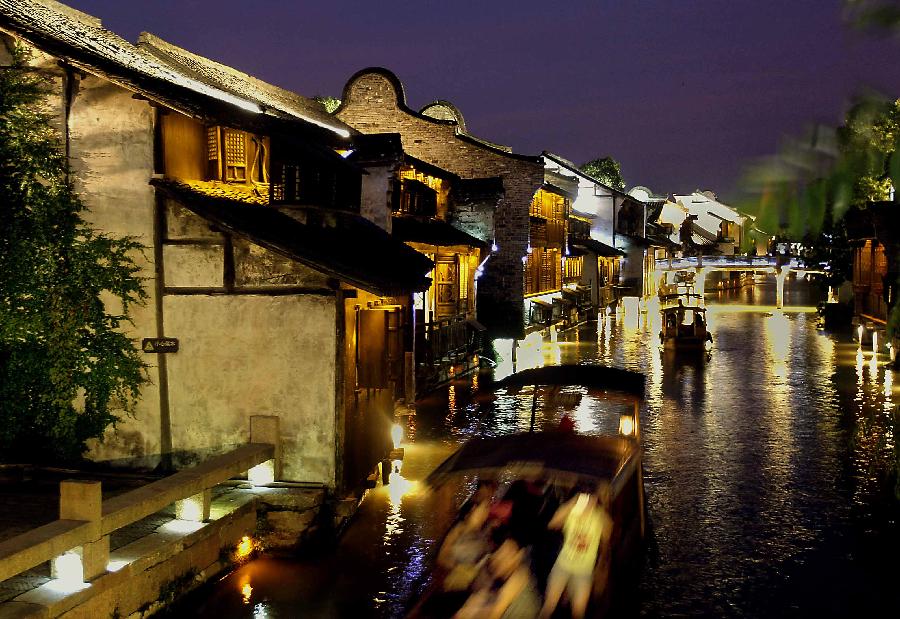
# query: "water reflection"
[766,467]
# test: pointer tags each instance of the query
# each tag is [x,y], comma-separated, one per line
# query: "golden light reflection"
[585,422]
[244,547]
[860,362]
[631,307]
[626,425]
[246,592]
[398,486]
[451,401]
[756,309]
[778,342]
[397,489]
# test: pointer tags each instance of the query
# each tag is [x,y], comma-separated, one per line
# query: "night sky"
[683,93]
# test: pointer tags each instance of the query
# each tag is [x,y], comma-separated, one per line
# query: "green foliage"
[330,103]
[66,369]
[812,182]
[867,142]
[831,249]
[606,170]
[877,15]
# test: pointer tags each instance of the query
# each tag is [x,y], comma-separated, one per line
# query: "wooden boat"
[562,461]
[684,323]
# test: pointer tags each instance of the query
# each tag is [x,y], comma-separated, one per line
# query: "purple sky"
[682,92]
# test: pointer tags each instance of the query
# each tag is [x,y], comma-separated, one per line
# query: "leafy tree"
[330,103]
[867,142]
[66,369]
[815,179]
[606,170]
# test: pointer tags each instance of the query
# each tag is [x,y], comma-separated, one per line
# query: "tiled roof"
[596,247]
[353,250]
[574,168]
[432,232]
[81,41]
[240,84]
[257,196]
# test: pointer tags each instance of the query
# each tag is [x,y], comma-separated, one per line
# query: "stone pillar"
[266,429]
[194,508]
[82,500]
[780,274]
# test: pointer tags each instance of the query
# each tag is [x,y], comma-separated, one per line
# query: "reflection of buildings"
[285,300]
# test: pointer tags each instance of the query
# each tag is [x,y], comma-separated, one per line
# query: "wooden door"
[446,276]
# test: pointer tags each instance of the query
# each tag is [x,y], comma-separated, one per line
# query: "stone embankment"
[133,554]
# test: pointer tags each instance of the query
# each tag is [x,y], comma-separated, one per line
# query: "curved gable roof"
[399,94]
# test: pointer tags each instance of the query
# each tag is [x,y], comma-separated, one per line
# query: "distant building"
[592,234]
[717,228]
[874,234]
[413,201]
[374,102]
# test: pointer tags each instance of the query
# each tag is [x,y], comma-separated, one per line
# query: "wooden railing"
[81,535]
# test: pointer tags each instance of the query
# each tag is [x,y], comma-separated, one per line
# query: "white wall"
[375,199]
[246,355]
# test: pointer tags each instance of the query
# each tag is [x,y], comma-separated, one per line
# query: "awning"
[541,303]
[596,247]
[432,232]
[356,251]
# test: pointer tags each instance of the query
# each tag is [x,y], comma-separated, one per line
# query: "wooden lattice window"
[235,146]
[228,152]
[212,143]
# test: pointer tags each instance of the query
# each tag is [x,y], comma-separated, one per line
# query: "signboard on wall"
[159,345]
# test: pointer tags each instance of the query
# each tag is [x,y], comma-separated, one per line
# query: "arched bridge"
[781,266]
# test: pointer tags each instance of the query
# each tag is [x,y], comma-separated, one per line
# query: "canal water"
[769,476]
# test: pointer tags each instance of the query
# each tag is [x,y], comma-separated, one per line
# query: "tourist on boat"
[586,528]
[485,492]
[465,549]
[505,587]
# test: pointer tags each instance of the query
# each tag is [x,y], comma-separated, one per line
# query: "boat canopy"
[597,457]
[598,377]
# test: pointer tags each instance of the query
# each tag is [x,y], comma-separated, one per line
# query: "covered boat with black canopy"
[561,461]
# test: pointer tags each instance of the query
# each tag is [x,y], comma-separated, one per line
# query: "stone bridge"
[780,266]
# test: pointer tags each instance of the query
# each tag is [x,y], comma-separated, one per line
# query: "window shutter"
[235,164]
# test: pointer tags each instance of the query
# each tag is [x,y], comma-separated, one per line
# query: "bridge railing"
[77,544]
[727,262]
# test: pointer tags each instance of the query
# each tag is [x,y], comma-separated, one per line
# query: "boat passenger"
[505,588]
[566,423]
[586,526]
[465,549]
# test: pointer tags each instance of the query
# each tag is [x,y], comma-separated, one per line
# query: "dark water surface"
[766,472]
